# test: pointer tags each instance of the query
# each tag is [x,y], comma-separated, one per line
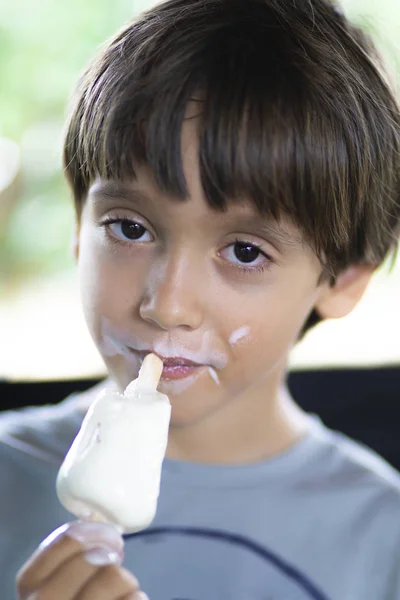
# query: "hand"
[78,561]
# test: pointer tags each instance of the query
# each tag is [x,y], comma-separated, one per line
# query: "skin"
[181,281]
[60,568]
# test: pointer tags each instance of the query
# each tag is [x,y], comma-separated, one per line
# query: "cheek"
[269,327]
[108,285]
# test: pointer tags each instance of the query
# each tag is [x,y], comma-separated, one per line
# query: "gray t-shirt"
[319,521]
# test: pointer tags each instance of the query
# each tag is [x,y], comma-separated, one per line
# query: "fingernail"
[53,536]
[102,556]
[90,533]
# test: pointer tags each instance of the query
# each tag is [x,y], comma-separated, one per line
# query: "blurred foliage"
[44,45]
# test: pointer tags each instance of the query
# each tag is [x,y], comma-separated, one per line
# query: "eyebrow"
[111,191]
[272,231]
[277,234]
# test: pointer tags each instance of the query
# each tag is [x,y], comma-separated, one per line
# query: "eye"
[127,230]
[246,254]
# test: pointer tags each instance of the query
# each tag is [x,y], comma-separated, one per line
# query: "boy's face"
[228,291]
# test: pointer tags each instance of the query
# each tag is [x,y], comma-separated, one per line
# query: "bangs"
[270,130]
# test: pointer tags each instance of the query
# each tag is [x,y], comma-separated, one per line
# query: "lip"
[177,361]
[175,367]
[199,348]
[179,371]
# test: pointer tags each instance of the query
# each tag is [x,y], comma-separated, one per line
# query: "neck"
[252,428]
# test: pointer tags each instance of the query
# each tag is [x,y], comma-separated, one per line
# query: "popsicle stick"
[150,372]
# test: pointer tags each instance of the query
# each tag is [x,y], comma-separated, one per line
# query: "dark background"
[362,403]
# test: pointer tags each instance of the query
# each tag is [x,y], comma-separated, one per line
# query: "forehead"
[142,192]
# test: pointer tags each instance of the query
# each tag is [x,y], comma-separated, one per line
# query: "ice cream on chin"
[112,471]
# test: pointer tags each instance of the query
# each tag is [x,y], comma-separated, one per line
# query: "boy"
[235,169]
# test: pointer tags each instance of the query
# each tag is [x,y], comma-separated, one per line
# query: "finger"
[110,583]
[71,576]
[60,546]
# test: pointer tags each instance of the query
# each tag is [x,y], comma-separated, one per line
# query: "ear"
[339,299]
[75,241]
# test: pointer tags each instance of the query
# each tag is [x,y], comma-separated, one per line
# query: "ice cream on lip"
[176,367]
[134,348]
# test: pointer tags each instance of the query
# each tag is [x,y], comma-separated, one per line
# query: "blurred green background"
[44,46]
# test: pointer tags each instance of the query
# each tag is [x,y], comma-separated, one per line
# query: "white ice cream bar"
[112,471]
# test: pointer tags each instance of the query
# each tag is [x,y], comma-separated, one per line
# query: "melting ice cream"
[112,471]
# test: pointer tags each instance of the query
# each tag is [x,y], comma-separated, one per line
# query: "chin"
[194,407]
[181,419]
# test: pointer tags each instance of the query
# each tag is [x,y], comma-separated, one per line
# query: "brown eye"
[132,230]
[129,231]
[246,253]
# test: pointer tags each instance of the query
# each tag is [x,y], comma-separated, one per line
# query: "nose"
[172,298]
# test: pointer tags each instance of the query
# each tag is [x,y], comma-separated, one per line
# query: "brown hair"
[296,114]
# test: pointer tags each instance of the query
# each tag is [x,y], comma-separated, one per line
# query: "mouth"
[178,368]
[175,367]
